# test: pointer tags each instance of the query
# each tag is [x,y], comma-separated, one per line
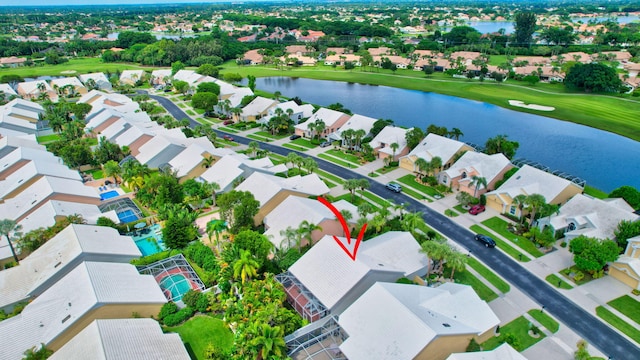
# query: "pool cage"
[175,265]
[318,340]
[574,179]
[120,206]
[305,303]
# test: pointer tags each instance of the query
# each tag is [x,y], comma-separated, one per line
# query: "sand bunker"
[521,104]
[68,72]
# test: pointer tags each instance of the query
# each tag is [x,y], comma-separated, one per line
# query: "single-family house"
[55,210]
[292,109]
[189,76]
[545,72]
[131,77]
[332,119]
[233,99]
[473,165]
[111,339]
[418,322]
[399,61]
[161,76]
[230,168]
[257,109]
[502,352]
[188,164]
[34,89]
[58,256]
[294,210]
[356,123]
[426,54]
[14,182]
[12,62]
[529,180]
[253,57]
[158,151]
[531,60]
[390,143]
[627,267]
[584,215]
[6,92]
[23,110]
[437,63]
[93,290]
[325,280]
[14,126]
[448,150]
[98,100]
[272,190]
[340,60]
[577,56]
[96,81]
[379,51]
[336,50]
[465,55]
[299,50]
[633,69]
[68,86]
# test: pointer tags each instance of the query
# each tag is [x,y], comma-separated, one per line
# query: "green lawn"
[451,213]
[596,193]
[467,278]
[80,66]
[182,105]
[342,155]
[545,320]
[557,282]
[617,114]
[329,176]
[460,209]
[518,327]
[500,227]
[48,138]
[573,269]
[627,305]
[190,112]
[268,135]
[294,147]
[410,180]
[226,142]
[494,279]
[378,200]
[199,111]
[303,142]
[228,129]
[97,173]
[336,161]
[386,169]
[501,244]
[201,331]
[618,323]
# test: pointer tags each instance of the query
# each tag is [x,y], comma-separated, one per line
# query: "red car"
[227,137]
[476,209]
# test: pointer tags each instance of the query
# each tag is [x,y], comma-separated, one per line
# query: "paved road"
[583,323]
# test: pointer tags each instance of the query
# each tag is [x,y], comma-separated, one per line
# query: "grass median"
[545,320]
[627,305]
[499,226]
[558,282]
[494,279]
[618,323]
[501,244]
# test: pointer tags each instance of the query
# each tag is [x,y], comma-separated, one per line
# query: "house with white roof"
[529,180]
[6,91]
[99,100]
[257,109]
[234,98]
[188,163]
[294,210]
[418,322]
[111,339]
[55,210]
[161,76]
[325,280]
[62,85]
[434,146]
[13,126]
[296,112]
[191,77]
[130,77]
[229,168]
[58,256]
[13,183]
[158,151]
[460,175]
[272,190]
[99,79]
[93,290]
[502,352]
[22,110]
[33,89]
[355,123]
[627,267]
[333,120]
[584,215]
[381,144]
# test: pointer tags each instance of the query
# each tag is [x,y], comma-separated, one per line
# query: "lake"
[605,160]
[487,27]
[625,19]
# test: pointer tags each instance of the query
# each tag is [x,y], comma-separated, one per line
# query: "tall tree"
[534,203]
[245,267]
[238,208]
[525,26]
[500,144]
[270,342]
[456,261]
[9,228]
[216,227]
[306,230]
[478,182]
[112,168]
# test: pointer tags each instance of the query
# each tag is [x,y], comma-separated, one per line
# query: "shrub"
[167,309]
[564,244]
[190,298]
[202,305]
[578,276]
[150,259]
[635,292]
[535,330]
[179,317]
[473,346]
[512,340]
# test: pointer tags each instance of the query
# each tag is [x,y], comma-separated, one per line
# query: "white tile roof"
[15,155]
[65,81]
[99,78]
[435,145]
[129,75]
[161,73]
[328,116]
[389,135]
[47,214]
[31,87]
[305,110]
[592,217]
[59,255]
[502,352]
[257,106]
[330,274]
[34,169]
[152,148]
[25,141]
[486,166]
[189,76]
[358,122]
[237,95]
[7,90]
[123,339]
[22,109]
[413,316]
[264,187]
[89,286]
[529,180]
[187,159]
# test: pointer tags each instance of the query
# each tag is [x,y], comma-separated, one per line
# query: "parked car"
[293,137]
[227,137]
[394,187]
[476,209]
[486,240]
[227,122]
[325,144]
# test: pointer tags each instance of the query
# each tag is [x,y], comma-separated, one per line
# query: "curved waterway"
[605,160]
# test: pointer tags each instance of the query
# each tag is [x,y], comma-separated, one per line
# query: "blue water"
[127,216]
[177,285]
[487,27]
[149,246]
[602,158]
[109,195]
[619,19]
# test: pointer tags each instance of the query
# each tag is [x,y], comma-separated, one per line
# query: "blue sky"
[94,2]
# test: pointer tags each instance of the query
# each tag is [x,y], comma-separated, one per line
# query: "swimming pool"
[176,284]
[109,194]
[149,246]
[127,216]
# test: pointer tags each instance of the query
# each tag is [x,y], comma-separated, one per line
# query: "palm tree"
[294,159]
[9,228]
[270,343]
[246,266]
[253,147]
[422,165]
[394,146]
[216,227]
[519,201]
[112,168]
[290,235]
[534,202]
[456,133]
[351,185]
[478,182]
[310,164]
[436,164]
[412,221]
[213,187]
[456,261]
[208,161]
[306,230]
[429,248]
[363,184]
[346,215]
[319,127]
[378,222]
[364,209]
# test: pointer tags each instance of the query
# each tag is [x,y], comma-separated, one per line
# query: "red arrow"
[345,227]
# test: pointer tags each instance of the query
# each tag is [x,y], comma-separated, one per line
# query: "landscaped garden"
[501,227]
[203,331]
[518,333]
[410,180]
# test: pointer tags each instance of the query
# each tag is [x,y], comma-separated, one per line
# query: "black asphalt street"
[582,322]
